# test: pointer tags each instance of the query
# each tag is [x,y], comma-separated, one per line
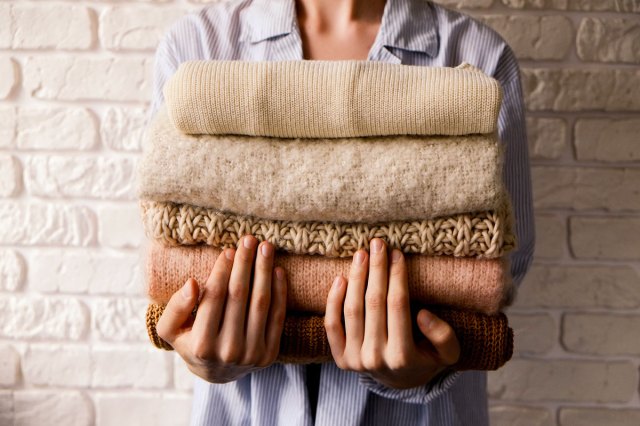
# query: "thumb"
[440,335]
[178,311]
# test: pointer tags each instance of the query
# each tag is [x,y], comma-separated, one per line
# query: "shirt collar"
[406,24]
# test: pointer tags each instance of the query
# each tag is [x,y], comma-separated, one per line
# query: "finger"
[277,312]
[207,323]
[354,302]
[178,311]
[260,301]
[375,327]
[333,318]
[232,333]
[441,336]
[398,311]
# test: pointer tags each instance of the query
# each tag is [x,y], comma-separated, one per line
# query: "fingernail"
[248,241]
[187,290]
[376,246]
[336,282]
[279,274]
[358,258]
[229,253]
[426,320]
[266,249]
[396,256]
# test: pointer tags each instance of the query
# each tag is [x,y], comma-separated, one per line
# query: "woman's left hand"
[379,340]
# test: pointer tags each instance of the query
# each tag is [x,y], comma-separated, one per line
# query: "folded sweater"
[481,285]
[330,99]
[343,180]
[486,342]
[482,235]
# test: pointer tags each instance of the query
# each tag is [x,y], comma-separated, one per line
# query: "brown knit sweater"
[465,283]
[486,342]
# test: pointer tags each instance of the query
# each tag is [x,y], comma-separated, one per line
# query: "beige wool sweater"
[343,180]
[330,99]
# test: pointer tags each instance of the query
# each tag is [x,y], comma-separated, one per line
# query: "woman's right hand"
[216,345]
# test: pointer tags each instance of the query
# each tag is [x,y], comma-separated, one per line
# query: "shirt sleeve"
[165,65]
[517,178]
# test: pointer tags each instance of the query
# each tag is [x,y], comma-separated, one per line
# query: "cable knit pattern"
[486,342]
[371,180]
[473,284]
[330,99]
[481,235]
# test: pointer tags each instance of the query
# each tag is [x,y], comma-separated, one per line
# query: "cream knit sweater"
[345,180]
[331,99]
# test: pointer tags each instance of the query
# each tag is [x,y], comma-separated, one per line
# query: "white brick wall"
[74,87]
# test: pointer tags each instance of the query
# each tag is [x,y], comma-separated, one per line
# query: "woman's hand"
[216,345]
[379,340]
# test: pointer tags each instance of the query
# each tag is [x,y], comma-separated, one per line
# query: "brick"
[6,404]
[546,38]
[581,89]
[30,317]
[599,416]
[56,129]
[9,366]
[46,224]
[584,5]
[182,377]
[90,272]
[78,78]
[135,27]
[40,407]
[605,238]
[10,176]
[7,127]
[119,319]
[560,286]
[120,227]
[582,188]
[130,367]
[6,30]
[458,4]
[142,409]
[604,139]
[609,40]
[513,415]
[9,80]
[565,380]
[547,138]
[551,237]
[601,334]
[57,365]
[57,176]
[534,334]
[122,129]
[58,27]
[12,270]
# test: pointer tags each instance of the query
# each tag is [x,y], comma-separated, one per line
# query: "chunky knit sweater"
[473,284]
[344,180]
[330,99]
[486,342]
[482,234]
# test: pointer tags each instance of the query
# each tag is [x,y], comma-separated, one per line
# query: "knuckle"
[238,293]
[260,303]
[397,361]
[230,354]
[353,311]
[200,349]
[214,293]
[372,361]
[397,269]
[332,325]
[375,301]
[397,302]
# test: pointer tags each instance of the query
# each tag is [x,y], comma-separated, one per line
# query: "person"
[376,378]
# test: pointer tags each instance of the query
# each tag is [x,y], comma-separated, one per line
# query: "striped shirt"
[413,32]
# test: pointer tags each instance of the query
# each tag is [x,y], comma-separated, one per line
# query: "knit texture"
[482,235]
[474,284]
[330,99]
[376,179]
[486,342]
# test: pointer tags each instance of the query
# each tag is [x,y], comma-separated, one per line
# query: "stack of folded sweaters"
[318,158]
